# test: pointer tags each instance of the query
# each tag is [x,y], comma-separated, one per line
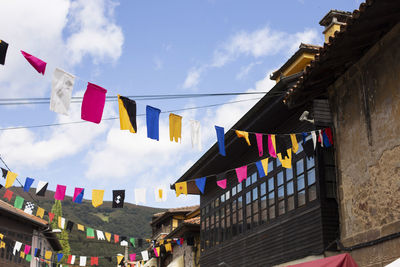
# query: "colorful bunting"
[97,197]
[17,247]
[70,225]
[118,198]
[40,212]
[27,249]
[93,103]
[100,235]
[168,247]
[116,238]
[108,236]
[145,255]
[39,65]
[51,216]
[60,192]
[157,251]
[78,195]
[41,188]
[48,254]
[10,177]
[152,122]
[89,233]
[195,133]
[262,167]
[61,91]
[201,183]
[221,140]
[8,195]
[59,257]
[287,161]
[120,260]
[181,188]
[241,173]
[243,134]
[61,222]
[127,114]
[222,183]
[259,138]
[28,184]
[82,261]
[71,259]
[94,261]
[29,206]
[3,51]
[80,227]
[175,127]
[18,202]
[132,240]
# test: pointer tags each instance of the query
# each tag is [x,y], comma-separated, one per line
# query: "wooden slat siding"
[322,112]
[293,239]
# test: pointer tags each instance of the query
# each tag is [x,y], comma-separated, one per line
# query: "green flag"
[28,258]
[19,201]
[132,240]
[89,233]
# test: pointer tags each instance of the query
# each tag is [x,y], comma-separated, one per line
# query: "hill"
[131,221]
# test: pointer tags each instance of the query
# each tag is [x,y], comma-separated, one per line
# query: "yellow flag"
[48,254]
[80,227]
[160,193]
[22,254]
[181,188]
[158,251]
[40,212]
[2,244]
[108,236]
[119,259]
[287,161]
[295,145]
[162,242]
[97,197]
[10,178]
[243,134]
[175,127]
[1,236]
[59,222]
[168,247]
[127,121]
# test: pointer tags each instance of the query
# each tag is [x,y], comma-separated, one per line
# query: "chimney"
[332,22]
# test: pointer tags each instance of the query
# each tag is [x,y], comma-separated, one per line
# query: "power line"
[115,118]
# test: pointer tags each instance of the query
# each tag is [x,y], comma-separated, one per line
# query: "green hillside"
[131,221]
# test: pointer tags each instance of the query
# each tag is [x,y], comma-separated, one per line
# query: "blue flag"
[59,256]
[152,122]
[28,184]
[221,139]
[201,183]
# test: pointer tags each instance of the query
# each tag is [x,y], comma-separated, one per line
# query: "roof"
[340,15]
[171,212]
[188,226]
[35,221]
[195,220]
[303,48]
[366,26]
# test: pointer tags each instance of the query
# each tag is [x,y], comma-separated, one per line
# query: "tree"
[63,236]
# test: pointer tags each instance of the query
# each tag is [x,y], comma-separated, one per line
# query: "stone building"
[16,225]
[358,73]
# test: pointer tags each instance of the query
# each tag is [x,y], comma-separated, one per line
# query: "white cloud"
[158,63]
[244,71]
[60,32]
[256,44]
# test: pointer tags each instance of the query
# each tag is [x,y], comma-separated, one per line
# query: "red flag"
[51,216]
[8,195]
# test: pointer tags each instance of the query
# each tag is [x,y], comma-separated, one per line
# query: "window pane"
[311,177]
[239,187]
[271,212]
[263,216]
[263,202]
[310,162]
[255,206]
[300,166]
[300,182]
[255,194]
[270,165]
[217,202]
[289,188]
[300,146]
[254,178]
[239,201]
[312,193]
[263,189]
[280,178]
[281,192]
[223,198]
[248,181]
[255,219]
[271,184]
[290,203]
[240,215]
[289,174]
[278,162]
[248,197]
[233,190]
[248,210]
[227,195]
[281,207]
[302,198]
[234,208]
[271,198]
[248,223]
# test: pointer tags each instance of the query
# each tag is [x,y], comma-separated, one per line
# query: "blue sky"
[132,48]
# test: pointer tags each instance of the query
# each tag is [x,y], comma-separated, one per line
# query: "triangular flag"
[181,188]
[78,195]
[262,167]
[222,183]
[259,138]
[40,212]
[3,51]
[59,257]
[18,202]
[10,179]
[60,192]
[132,241]
[61,91]
[51,216]
[243,134]
[97,197]
[28,184]
[41,188]
[201,183]
[38,64]
[108,236]
[120,259]
[127,114]
[241,173]
[221,140]
[93,103]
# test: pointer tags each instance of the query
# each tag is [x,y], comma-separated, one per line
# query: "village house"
[16,225]
[175,224]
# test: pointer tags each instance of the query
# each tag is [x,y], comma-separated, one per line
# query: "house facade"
[16,225]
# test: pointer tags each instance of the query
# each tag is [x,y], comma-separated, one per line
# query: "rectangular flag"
[127,114]
[61,91]
[262,167]
[93,103]
[118,198]
[28,184]
[175,127]
[221,140]
[152,122]
[181,188]
[97,197]
[60,192]
[41,188]
[78,195]
[9,176]
[18,202]
[3,51]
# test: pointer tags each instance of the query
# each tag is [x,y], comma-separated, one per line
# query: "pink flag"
[60,192]
[27,249]
[78,195]
[222,183]
[259,138]
[271,146]
[241,173]
[93,103]
[155,251]
[38,64]
[132,257]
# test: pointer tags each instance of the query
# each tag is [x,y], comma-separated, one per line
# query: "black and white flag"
[41,188]
[29,206]
[118,198]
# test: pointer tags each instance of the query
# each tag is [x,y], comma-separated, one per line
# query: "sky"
[140,48]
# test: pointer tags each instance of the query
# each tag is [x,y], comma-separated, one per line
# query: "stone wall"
[365,102]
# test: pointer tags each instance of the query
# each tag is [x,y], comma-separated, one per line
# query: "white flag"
[29,206]
[82,261]
[195,134]
[73,259]
[17,247]
[140,195]
[145,255]
[61,92]
[100,235]
[160,193]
